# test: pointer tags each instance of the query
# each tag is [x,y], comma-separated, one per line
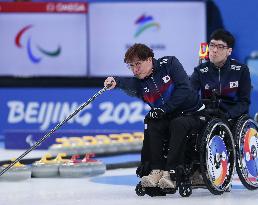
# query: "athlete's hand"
[110,83]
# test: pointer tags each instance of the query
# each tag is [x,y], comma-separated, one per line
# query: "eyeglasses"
[220,47]
[133,65]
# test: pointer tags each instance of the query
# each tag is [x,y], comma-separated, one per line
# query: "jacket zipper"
[163,102]
[219,88]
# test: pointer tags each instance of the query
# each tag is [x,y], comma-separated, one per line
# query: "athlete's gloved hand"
[110,83]
[156,113]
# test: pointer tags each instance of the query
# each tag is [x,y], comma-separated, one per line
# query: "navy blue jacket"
[168,87]
[232,83]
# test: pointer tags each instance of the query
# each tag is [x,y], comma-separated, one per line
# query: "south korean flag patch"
[233,84]
[166,79]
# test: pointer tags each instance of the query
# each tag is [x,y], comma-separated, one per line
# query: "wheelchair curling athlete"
[229,78]
[165,86]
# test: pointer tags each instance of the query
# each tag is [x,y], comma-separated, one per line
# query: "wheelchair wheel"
[185,187]
[185,190]
[217,156]
[246,135]
[151,191]
[139,190]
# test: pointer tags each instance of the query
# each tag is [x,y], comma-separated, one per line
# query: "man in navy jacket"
[165,86]
[225,76]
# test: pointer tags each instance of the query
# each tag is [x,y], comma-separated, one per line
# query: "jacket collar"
[224,67]
[155,65]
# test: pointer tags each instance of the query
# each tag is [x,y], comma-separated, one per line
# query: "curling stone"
[82,168]
[98,144]
[103,142]
[62,146]
[77,146]
[116,144]
[138,141]
[91,144]
[17,172]
[97,166]
[128,142]
[45,167]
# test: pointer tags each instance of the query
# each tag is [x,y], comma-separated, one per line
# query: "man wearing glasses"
[228,78]
[165,86]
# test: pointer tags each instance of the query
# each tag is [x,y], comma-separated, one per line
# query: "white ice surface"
[83,191]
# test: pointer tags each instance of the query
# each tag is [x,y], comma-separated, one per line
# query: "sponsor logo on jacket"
[235,67]
[204,70]
[146,90]
[164,60]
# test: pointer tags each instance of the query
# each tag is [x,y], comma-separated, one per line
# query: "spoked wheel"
[185,189]
[183,181]
[140,191]
[217,156]
[246,134]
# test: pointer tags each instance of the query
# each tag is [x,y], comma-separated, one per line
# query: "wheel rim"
[219,159]
[248,156]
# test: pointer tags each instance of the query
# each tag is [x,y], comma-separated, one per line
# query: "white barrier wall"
[53,39]
[43,39]
[170,28]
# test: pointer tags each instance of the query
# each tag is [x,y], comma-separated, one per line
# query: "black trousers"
[174,132]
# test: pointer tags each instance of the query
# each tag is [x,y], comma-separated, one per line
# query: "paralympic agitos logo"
[42,51]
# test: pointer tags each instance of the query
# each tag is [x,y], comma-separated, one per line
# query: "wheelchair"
[246,140]
[211,152]
[215,151]
[245,132]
